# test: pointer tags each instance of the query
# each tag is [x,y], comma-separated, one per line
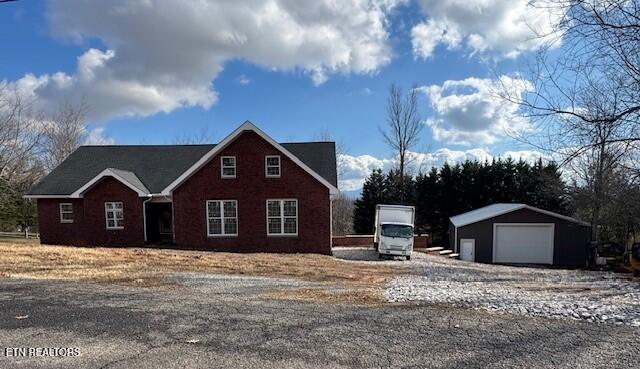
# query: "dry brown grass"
[368,296]
[145,267]
[356,296]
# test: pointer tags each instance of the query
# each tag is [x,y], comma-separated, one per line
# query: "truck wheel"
[408,257]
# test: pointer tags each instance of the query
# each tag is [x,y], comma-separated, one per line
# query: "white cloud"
[355,169]
[96,136]
[504,27]
[243,80]
[470,112]
[160,55]
[530,156]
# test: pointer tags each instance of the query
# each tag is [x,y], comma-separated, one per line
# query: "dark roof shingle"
[156,166]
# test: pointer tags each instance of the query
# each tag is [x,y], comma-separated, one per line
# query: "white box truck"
[393,234]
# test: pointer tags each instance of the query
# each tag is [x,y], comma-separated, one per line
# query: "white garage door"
[523,243]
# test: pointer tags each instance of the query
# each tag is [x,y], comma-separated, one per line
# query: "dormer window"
[228,167]
[272,166]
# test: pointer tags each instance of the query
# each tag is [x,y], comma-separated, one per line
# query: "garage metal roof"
[494,210]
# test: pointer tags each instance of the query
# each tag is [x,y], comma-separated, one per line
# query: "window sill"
[115,229]
[283,235]
[222,236]
[66,221]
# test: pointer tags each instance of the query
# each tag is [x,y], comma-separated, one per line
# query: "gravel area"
[601,297]
[219,322]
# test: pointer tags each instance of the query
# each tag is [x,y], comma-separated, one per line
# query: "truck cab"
[394,230]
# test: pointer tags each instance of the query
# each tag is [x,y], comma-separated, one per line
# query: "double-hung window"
[228,167]
[272,166]
[66,212]
[114,214]
[222,218]
[282,217]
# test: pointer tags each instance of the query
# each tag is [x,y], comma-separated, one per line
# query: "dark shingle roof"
[156,166]
[319,156]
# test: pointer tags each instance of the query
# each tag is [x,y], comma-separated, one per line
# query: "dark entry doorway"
[159,223]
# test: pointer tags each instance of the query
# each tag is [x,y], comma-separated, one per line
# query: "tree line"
[32,143]
[453,189]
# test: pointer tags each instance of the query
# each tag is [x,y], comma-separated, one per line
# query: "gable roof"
[125,177]
[156,166]
[494,210]
[247,126]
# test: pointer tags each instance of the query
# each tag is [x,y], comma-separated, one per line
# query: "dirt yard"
[345,281]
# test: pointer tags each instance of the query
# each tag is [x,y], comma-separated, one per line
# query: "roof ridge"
[151,145]
[305,142]
[191,145]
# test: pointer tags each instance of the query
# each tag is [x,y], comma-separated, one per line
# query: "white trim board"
[504,209]
[109,172]
[246,126]
[552,240]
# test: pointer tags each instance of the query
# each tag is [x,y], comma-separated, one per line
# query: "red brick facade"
[89,224]
[251,189]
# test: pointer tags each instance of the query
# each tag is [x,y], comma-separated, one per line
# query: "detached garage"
[519,234]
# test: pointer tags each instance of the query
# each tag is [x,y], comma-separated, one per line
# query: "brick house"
[248,193]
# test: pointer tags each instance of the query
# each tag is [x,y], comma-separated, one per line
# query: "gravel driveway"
[573,294]
[217,321]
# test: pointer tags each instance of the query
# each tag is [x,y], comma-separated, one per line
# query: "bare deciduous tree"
[403,128]
[31,144]
[341,205]
[62,134]
[342,214]
[202,137]
[20,136]
[583,90]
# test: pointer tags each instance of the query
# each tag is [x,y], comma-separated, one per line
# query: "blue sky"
[114,55]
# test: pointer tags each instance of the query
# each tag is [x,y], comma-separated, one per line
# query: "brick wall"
[251,189]
[420,241]
[52,232]
[110,189]
[89,224]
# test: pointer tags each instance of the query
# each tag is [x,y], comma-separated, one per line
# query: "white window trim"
[62,220]
[115,221]
[222,167]
[222,218]
[266,166]
[282,217]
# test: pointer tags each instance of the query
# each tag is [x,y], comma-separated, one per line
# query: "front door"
[164,221]
[468,249]
[159,223]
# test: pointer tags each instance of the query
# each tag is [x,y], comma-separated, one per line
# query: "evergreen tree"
[373,192]
[452,190]
[398,191]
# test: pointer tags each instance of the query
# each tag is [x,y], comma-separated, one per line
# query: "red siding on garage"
[89,225]
[251,189]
